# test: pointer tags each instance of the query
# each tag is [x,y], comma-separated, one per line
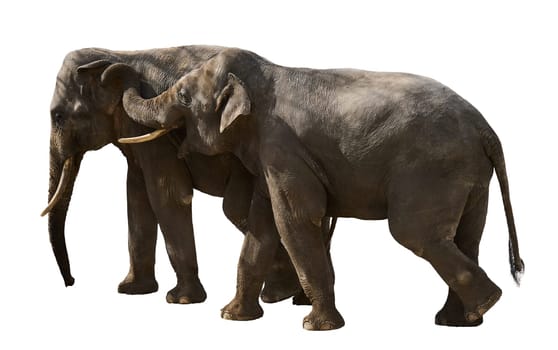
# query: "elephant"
[87,114]
[348,143]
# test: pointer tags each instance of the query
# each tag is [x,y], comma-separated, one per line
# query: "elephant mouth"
[62,184]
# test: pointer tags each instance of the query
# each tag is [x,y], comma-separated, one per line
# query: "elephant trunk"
[152,112]
[61,184]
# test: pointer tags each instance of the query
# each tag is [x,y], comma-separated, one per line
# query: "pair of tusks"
[62,183]
[69,162]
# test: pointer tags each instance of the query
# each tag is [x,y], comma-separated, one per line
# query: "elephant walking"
[348,143]
[87,114]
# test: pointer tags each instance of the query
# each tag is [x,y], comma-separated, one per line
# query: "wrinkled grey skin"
[350,143]
[87,114]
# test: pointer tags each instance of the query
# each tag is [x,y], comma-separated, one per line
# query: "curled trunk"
[150,112]
[57,214]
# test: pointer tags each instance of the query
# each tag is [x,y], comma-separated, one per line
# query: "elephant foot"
[448,318]
[473,314]
[301,299]
[323,321]
[134,286]
[238,311]
[187,293]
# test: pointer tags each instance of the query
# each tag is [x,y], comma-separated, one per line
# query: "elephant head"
[207,101]
[85,115]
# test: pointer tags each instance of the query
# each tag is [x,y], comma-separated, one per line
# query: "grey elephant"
[87,114]
[348,143]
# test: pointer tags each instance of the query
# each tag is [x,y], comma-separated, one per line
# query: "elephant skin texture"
[349,143]
[87,114]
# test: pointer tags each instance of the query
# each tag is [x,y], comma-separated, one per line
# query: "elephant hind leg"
[427,223]
[467,239]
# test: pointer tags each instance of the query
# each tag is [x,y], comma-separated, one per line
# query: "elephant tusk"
[62,183]
[144,138]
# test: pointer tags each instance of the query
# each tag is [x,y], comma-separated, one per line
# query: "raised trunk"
[57,215]
[152,112]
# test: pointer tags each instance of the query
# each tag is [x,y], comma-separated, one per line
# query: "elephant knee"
[185,200]
[408,239]
[413,245]
[237,218]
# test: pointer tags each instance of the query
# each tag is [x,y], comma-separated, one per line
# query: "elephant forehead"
[65,89]
[201,80]
[66,99]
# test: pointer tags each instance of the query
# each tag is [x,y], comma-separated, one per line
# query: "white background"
[499,55]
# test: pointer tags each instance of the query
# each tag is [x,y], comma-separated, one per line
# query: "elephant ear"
[90,72]
[98,64]
[120,75]
[233,100]
[86,71]
[111,74]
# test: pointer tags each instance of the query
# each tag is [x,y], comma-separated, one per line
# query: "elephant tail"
[332,227]
[495,153]
[328,226]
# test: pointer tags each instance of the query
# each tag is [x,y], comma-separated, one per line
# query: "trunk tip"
[69,281]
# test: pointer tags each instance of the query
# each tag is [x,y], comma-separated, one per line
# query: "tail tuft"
[517,267]
[69,281]
[518,274]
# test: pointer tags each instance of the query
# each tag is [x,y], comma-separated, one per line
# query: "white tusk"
[144,138]
[61,186]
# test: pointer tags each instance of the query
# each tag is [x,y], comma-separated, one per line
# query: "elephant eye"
[184,97]
[57,118]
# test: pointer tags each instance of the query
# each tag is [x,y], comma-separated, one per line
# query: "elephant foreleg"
[142,237]
[258,251]
[238,196]
[176,224]
[281,281]
[169,188]
[299,205]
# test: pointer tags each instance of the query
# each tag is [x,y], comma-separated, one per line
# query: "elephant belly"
[361,202]
[209,173]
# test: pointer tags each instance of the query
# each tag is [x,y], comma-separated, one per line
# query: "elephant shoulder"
[284,150]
